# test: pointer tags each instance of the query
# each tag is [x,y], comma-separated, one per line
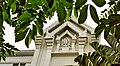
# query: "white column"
[40,55]
[35,57]
[48,56]
[58,45]
[73,44]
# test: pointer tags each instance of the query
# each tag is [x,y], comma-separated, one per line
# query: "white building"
[61,44]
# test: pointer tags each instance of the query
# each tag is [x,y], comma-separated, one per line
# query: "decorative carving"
[66,42]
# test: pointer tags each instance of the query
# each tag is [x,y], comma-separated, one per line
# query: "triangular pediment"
[64,34]
[72,26]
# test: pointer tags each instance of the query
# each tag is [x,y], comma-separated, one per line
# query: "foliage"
[31,14]
[103,55]
[6,50]
[109,23]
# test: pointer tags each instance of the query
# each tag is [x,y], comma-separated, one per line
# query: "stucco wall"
[63,59]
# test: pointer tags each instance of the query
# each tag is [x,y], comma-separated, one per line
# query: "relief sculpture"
[66,42]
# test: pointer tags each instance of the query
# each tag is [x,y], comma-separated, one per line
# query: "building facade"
[60,45]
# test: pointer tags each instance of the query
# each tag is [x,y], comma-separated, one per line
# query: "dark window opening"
[19,64]
[15,64]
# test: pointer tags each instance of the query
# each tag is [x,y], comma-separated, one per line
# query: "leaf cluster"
[32,14]
[6,50]
[103,55]
[109,23]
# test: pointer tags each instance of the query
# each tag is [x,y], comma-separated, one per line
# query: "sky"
[9,31]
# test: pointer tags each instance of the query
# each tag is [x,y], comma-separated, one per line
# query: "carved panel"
[66,42]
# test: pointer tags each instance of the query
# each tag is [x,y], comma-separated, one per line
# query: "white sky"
[9,31]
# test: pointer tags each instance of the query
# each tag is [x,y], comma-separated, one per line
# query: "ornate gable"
[68,35]
[63,42]
[71,25]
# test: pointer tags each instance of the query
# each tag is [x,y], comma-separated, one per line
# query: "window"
[19,64]
[15,64]
[69,65]
[22,64]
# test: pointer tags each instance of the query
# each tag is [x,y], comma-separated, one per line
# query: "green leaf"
[28,39]
[1,2]
[118,6]
[65,3]
[70,1]
[25,16]
[4,7]
[31,11]
[33,32]
[112,41]
[3,56]
[20,36]
[40,30]
[111,2]
[10,2]
[22,2]
[8,21]
[75,12]
[61,12]
[117,32]
[105,21]
[114,17]
[5,15]
[24,24]
[99,30]
[106,32]
[3,50]
[50,3]
[95,45]
[53,8]
[39,27]
[93,14]
[1,18]
[31,6]
[0,57]
[35,2]
[68,15]
[83,13]
[79,3]
[13,7]
[15,49]
[40,22]
[112,30]
[114,22]
[99,3]
[96,57]
[8,51]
